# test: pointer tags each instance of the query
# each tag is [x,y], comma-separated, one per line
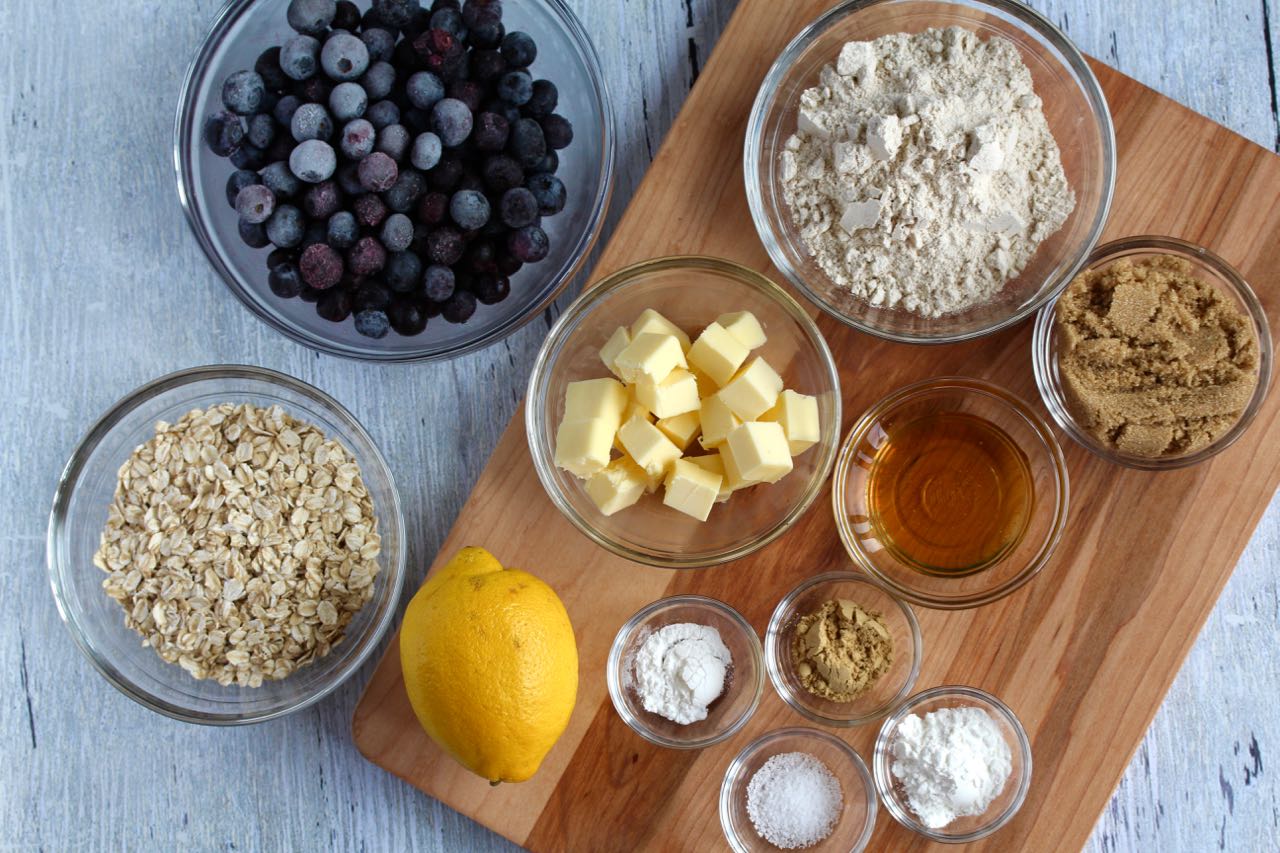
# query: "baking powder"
[680,670]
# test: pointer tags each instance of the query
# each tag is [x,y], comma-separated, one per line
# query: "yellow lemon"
[490,665]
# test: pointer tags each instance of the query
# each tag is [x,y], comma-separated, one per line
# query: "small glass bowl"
[1001,810]
[691,291]
[1074,105]
[1209,268]
[243,29]
[96,621]
[995,405]
[744,682]
[857,820]
[890,689]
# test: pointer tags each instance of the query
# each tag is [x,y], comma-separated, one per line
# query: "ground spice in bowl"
[840,650]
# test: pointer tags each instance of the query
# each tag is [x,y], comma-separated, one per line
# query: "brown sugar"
[1154,361]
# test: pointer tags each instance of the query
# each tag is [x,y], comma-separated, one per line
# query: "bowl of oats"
[226,545]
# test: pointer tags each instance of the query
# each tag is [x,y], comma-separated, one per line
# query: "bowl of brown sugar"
[1157,355]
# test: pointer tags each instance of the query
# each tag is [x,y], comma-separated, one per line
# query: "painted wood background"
[104,288]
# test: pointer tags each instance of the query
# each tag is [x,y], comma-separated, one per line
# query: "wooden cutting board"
[1083,654]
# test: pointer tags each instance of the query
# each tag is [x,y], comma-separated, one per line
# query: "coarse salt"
[794,801]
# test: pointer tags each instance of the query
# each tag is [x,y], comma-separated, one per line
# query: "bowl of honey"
[951,492]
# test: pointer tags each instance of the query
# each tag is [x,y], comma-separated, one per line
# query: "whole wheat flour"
[923,174]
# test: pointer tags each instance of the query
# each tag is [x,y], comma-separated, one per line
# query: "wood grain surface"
[104,289]
[1083,655]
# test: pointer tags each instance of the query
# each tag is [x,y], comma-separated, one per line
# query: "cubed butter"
[590,399]
[732,474]
[798,416]
[651,321]
[583,447]
[718,354]
[650,356]
[681,429]
[744,326]
[691,489]
[617,486]
[715,464]
[760,451]
[635,409]
[650,449]
[753,391]
[706,386]
[716,421]
[617,343]
[674,395]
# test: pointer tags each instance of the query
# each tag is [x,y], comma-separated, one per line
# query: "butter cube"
[590,399]
[635,409]
[616,486]
[649,355]
[617,343]
[651,481]
[760,451]
[652,322]
[798,415]
[706,387]
[583,447]
[681,429]
[744,326]
[753,391]
[674,395]
[691,489]
[732,473]
[650,449]
[717,420]
[718,353]
[715,464]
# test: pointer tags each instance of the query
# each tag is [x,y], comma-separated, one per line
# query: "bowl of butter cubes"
[684,412]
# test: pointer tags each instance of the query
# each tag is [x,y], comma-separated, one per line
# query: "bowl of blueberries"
[399,180]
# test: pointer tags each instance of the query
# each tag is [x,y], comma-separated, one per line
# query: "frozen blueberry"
[344,57]
[342,231]
[451,121]
[557,131]
[369,210]
[406,317]
[424,89]
[519,49]
[497,106]
[357,140]
[501,173]
[367,256]
[470,209]
[491,289]
[371,294]
[284,280]
[346,16]
[469,92]
[426,150]
[348,101]
[397,13]
[490,132]
[379,80]
[432,208]
[403,271]
[383,114]
[242,92]
[372,323]
[378,172]
[322,200]
[528,244]
[311,17]
[438,283]
[444,246]
[405,191]
[255,203]
[449,20]
[484,22]
[285,108]
[253,234]
[277,178]
[237,181]
[543,100]
[508,265]
[446,174]
[321,266]
[393,140]
[526,143]
[314,89]
[311,121]
[334,305]
[549,163]
[379,43]
[299,57]
[268,67]
[313,161]
[285,227]
[481,256]
[397,232]
[549,191]
[262,131]
[248,157]
[460,307]
[518,208]
[515,87]
[224,133]
[486,65]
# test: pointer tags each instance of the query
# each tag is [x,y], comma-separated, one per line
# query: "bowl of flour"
[930,172]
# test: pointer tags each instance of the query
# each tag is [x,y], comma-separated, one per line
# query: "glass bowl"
[1074,106]
[744,681]
[886,692]
[1208,267]
[857,820]
[96,621]
[691,291]
[1001,810]
[1017,563]
[243,29]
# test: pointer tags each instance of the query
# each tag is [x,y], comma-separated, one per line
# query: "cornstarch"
[952,763]
[680,670]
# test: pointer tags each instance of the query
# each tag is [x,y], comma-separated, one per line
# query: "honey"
[949,493]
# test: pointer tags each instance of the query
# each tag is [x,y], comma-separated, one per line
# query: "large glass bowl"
[1074,106]
[96,621]
[690,291]
[243,29]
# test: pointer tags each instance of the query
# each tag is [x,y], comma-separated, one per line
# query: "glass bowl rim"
[734,770]
[774,631]
[185,173]
[613,667]
[880,760]
[540,378]
[56,561]
[1108,253]
[1031,20]
[1062,492]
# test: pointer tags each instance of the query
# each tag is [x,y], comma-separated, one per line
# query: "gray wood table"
[104,289]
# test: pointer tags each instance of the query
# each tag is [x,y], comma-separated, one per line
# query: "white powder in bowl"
[794,801]
[952,763]
[680,670]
